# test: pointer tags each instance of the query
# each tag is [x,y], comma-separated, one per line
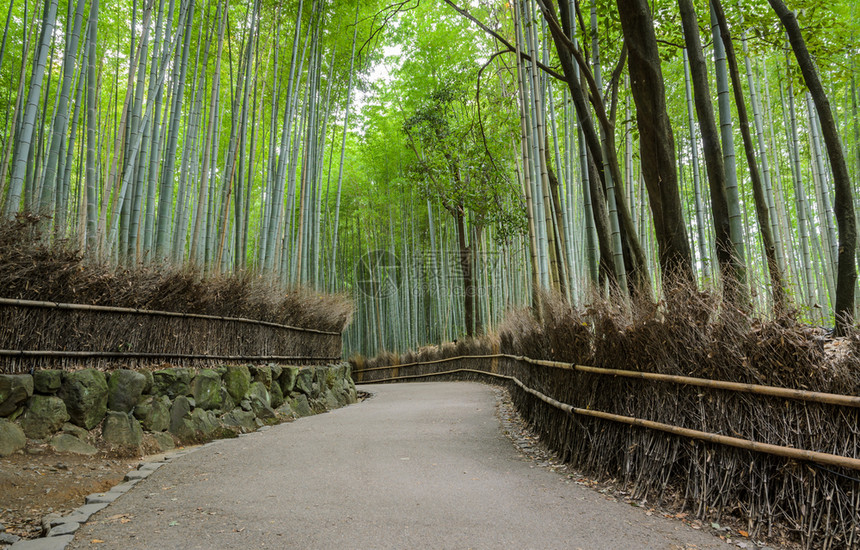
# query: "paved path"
[416,466]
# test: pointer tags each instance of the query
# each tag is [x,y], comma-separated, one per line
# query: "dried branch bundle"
[31,270]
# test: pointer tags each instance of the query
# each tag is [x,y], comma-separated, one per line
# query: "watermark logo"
[381,273]
[377,274]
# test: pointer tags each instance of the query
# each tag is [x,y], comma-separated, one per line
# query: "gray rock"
[237,380]
[151,466]
[318,405]
[135,474]
[339,389]
[285,410]
[50,543]
[12,438]
[177,454]
[276,372]
[331,402]
[276,395]
[238,418]
[227,402]
[124,389]
[14,416]
[149,381]
[180,407]
[261,401]
[153,413]
[89,509]
[259,392]
[14,390]
[180,419]
[122,429]
[287,379]
[64,529]
[8,538]
[123,488]
[305,381]
[164,441]
[172,382]
[262,411]
[324,378]
[77,431]
[262,373]
[204,422]
[108,497]
[54,521]
[206,390]
[67,443]
[85,393]
[47,381]
[45,415]
[47,520]
[245,405]
[301,406]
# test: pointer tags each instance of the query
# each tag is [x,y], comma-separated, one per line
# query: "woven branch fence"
[787,461]
[36,335]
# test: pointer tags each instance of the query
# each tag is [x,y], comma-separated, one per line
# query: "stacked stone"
[64,409]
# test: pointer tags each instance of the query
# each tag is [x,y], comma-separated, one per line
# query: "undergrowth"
[30,269]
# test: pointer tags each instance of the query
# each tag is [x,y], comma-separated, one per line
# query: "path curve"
[420,465]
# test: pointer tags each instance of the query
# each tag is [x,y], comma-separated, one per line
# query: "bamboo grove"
[442,161]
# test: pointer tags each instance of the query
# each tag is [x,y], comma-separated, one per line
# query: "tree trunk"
[657,143]
[731,269]
[846,277]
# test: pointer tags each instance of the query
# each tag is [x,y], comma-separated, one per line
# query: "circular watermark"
[377,274]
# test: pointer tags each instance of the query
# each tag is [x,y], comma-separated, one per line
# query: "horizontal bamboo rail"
[137,355]
[758,389]
[737,442]
[113,309]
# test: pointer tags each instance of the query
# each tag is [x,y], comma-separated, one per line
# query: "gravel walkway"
[416,466]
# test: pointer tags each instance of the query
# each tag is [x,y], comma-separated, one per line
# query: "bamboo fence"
[785,460]
[39,334]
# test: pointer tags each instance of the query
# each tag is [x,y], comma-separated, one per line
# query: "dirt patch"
[34,485]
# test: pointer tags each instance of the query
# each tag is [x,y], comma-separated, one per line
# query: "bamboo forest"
[441,162]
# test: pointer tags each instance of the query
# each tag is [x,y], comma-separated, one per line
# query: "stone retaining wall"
[89,410]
